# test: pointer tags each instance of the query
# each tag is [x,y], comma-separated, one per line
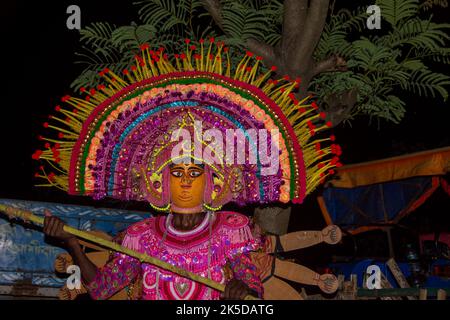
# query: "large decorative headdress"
[118,140]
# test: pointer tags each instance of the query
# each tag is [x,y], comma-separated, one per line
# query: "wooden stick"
[423,294]
[399,276]
[441,294]
[29,216]
[349,289]
[385,284]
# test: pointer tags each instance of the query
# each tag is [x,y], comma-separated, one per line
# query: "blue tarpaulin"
[380,203]
[26,258]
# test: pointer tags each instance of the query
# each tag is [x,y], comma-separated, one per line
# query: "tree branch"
[215,10]
[294,19]
[315,21]
[339,106]
[333,63]
[259,48]
[264,50]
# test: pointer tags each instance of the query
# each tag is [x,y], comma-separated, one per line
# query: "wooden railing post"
[423,294]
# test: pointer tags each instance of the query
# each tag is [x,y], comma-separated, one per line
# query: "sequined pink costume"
[220,238]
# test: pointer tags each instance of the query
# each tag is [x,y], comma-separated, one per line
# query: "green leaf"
[441,55]
[396,11]
[166,15]
[348,20]
[369,56]
[129,38]
[87,78]
[413,64]
[332,41]
[419,34]
[97,34]
[241,23]
[428,83]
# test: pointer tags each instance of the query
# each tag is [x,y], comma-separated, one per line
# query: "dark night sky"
[37,69]
[38,54]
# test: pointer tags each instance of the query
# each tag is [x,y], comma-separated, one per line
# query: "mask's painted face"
[187,185]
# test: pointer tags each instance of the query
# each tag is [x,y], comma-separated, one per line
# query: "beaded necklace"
[169,227]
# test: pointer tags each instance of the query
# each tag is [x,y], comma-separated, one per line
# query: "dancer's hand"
[237,290]
[332,234]
[54,227]
[328,283]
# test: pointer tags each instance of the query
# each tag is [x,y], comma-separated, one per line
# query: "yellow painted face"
[187,185]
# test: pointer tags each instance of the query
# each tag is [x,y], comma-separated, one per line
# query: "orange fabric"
[428,163]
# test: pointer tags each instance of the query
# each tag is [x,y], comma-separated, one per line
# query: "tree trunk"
[301,31]
[302,28]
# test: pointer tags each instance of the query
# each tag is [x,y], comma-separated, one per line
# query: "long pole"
[29,216]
